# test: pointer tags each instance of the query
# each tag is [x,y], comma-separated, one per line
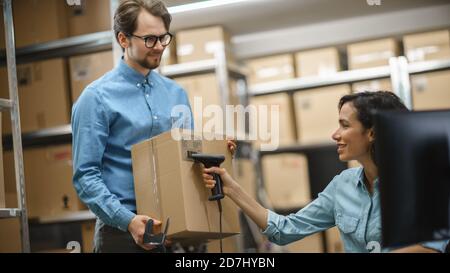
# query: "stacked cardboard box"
[87,236]
[430,90]
[286,180]
[43,95]
[372,53]
[48,181]
[89,17]
[285,123]
[427,46]
[169,184]
[318,62]
[85,69]
[373,85]
[269,69]
[202,44]
[10,228]
[29,25]
[334,242]
[317,113]
[2,179]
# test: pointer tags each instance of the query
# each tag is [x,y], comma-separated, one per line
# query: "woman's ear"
[371,135]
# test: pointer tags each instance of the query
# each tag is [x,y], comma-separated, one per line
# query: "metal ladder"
[12,105]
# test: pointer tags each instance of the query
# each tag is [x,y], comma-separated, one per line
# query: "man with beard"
[127,105]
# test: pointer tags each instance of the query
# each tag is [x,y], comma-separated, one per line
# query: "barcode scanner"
[212,161]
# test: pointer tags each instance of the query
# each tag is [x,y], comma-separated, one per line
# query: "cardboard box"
[29,26]
[372,53]
[203,92]
[43,95]
[430,90]
[268,69]
[310,244]
[334,242]
[317,113]
[427,46]
[169,56]
[245,175]
[48,181]
[373,85]
[167,184]
[202,44]
[286,180]
[229,245]
[89,17]
[285,123]
[2,179]
[85,69]
[87,236]
[318,62]
[10,241]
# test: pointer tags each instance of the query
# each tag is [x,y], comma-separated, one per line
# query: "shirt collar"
[360,178]
[131,74]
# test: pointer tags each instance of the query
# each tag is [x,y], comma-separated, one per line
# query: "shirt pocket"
[346,223]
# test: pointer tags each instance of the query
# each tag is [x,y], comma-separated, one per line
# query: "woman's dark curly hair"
[366,103]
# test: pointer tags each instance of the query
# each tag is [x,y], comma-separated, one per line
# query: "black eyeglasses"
[150,40]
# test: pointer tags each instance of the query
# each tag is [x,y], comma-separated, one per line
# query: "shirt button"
[151,84]
[147,95]
[138,85]
[155,117]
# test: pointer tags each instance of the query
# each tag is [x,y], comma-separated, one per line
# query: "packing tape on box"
[155,182]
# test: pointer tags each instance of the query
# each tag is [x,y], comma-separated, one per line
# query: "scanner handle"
[217,191]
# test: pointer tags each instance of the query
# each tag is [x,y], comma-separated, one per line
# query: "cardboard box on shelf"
[373,85]
[89,17]
[245,175]
[434,45]
[317,113]
[169,56]
[318,62]
[29,25]
[43,89]
[371,53]
[202,44]
[10,241]
[268,69]
[279,131]
[87,236]
[48,181]
[430,90]
[286,180]
[85,69]
[168,184]
[333,240]
[203,92]
[309,244]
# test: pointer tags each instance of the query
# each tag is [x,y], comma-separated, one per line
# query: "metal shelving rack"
[12,105]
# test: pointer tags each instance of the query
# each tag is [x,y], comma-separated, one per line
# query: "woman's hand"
[228,183]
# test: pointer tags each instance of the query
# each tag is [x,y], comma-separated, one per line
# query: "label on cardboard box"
[370,57]
[184,50]
[214,46]
[419,54]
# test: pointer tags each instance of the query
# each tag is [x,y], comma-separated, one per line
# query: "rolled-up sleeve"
[316,217]
[90,130]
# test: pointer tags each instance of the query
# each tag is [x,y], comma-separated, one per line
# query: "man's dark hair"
[125,17]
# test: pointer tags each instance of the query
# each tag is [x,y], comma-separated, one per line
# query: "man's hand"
[232,146]
[137,230]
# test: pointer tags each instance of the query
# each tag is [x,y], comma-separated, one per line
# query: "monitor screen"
[412,151]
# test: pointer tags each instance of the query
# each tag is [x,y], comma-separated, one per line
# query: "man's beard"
[147,64]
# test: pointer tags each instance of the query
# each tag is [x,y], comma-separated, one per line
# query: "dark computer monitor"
[412,151]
